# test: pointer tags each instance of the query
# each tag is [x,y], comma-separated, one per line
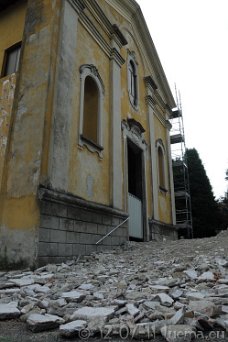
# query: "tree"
[205,213]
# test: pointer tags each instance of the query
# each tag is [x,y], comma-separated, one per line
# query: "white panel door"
[135,217]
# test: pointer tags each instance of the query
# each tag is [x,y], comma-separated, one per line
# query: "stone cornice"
[150,83]
[131,11]
[150,101]
[119,35]
[51,195]
[90,27]
[109,28]
[117,57]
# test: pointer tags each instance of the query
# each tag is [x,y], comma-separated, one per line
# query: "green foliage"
[205,212]
[226,178]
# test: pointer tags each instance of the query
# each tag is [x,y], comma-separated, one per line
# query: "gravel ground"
[189,252]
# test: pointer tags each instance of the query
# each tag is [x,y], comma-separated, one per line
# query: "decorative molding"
[150,101]
[51,195]
[89,70]
[134,130]
[91,28]
[117,57]
[131,11]
[92,71]
[150,83]
[159,142]
[123,41]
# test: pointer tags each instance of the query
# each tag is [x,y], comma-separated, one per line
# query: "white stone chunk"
[207,276]
[178,317]
[90,313]
[37,322]
[159,287]
[132,310]
[73,296]
[25,281]
[176,293]
[70,329]
[203,307]
[164,299]
[86,287]
[11,291]
[192,274]
[194,295]
[8,311]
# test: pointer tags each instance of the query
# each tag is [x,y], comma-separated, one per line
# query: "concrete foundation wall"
[160,231]
[68,229]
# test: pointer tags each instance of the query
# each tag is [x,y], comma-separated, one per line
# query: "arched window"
[132,81]
[161,167]
[91,108]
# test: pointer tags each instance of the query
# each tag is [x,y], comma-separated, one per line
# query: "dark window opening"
[11,60]
[91,107]
[161,168]
[132,82]
[135,171]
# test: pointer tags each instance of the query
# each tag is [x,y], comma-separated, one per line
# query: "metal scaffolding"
[180,173]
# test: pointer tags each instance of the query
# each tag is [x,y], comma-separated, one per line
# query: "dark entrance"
[135,191]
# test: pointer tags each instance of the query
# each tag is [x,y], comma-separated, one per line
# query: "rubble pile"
[176,289]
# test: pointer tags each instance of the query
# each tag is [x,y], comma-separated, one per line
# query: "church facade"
[85,160]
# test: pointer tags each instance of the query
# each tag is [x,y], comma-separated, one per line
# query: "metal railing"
[104,237]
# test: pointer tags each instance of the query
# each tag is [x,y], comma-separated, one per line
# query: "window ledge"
[163,190]
[91,145]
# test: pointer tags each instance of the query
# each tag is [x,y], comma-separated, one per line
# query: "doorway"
[135,191]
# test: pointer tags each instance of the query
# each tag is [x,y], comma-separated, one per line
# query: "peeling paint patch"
[7,89]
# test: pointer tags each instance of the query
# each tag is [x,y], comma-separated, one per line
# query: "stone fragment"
[192,274]
[223,323]
[24,281]
[132,310]
[203,307]
[207,276]
[223,281]
[146,331]
[194,295]
[38,322]
[9,311]
[71,329]
[43,278]
[86,287]
[178,333]
[176,293]
[178,318]
[164,299]
[224,309]
[73,296]
[27,308]
[98,295]
[90,313]
[161,288]
[10,291]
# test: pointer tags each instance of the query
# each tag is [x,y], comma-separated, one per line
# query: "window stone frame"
[133,100]
[159,144]
[89,70]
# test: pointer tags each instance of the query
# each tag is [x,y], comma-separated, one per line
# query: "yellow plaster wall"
[11,32]
[89,175]
[164,199]
[19,210]
[11,27]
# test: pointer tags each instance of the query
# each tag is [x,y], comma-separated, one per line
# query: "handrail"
[104,237]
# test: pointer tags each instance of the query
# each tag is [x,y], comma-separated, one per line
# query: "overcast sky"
[191,38]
